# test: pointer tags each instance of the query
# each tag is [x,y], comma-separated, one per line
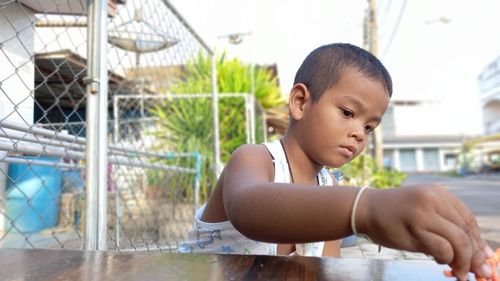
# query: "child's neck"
[302,169]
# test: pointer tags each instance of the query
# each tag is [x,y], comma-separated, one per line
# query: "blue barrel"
[33,195]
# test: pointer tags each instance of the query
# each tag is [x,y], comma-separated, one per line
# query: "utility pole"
[370,42]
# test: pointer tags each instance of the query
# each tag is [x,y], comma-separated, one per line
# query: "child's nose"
[357,132]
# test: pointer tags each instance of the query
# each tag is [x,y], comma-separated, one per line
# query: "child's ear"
[299,97]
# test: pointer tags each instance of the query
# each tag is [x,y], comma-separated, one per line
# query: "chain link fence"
[40,93]
[159,161]
[171,122]
[153,187]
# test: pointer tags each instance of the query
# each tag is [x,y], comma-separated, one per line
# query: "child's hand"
[493,261]
[427,219]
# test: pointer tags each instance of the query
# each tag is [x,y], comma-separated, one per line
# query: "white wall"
[17,70]
[393,153]
[428,118]
[17,75]
[491,117]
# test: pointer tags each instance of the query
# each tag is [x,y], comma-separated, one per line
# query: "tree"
[186,124]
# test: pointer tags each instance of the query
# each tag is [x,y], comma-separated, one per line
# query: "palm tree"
[186,124]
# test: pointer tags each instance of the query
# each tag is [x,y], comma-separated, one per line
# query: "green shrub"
[361,172]
[187,124]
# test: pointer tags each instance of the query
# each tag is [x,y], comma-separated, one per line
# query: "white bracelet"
[354,207]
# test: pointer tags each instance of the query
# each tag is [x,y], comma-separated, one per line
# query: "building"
[489,95]
[18,38]
[415,141]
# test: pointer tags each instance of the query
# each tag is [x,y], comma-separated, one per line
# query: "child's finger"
[471,228]
[468,218]
[477,259]
[436,246]
[459,214]
[462,248]
[479,265]
[468,224]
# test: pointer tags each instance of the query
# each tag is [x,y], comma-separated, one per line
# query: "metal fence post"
[3,193]
[248,125]
[116,138]
[116,124]
[102,43]
[215,106]
[252,117]
[96,38]
[264,122]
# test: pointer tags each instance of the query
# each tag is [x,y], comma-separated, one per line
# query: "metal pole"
[118,215]
[252,78]
[97,127]
[247,119]
[102,211]
[197,179]
[41,131]
[264,121]
[117,197]
[3,187]
[116,120]
[31,148]
[215,107]
[252,92]
[178,96]
[36,162]
[252,117]
[26,139]
[141,106]
[92,148]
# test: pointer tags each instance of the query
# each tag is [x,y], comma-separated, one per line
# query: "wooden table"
[18,264]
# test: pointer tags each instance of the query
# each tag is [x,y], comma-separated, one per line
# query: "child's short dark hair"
[323,67]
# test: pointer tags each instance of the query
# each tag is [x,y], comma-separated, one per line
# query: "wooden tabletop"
[18,264]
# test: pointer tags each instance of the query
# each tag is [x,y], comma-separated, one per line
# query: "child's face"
[338,126]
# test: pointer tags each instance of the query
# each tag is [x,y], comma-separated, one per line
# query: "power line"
[395,29]
[387,8]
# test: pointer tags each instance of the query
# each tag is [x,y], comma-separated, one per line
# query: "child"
[267,199]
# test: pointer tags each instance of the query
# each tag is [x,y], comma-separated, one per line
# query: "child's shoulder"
[252,150]
[251,154]
[251,157]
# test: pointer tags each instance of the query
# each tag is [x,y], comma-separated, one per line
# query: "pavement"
[366,249]
[481,193]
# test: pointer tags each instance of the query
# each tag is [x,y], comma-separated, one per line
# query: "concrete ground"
[366,249]
[481,193]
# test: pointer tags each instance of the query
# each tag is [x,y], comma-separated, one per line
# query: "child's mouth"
[347,151]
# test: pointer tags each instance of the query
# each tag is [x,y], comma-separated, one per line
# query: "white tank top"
[222,237]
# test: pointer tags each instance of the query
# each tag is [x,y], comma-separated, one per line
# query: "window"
[407,160]
[431,159]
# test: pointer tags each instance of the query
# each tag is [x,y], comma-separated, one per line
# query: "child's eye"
[369,129]
[347,113]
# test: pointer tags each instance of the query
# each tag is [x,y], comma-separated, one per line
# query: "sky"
[434,50]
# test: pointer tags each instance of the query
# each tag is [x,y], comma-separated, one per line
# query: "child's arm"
[280,213]
[423,218]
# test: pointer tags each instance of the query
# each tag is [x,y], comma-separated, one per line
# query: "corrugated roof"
[73,7]
[59,78]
